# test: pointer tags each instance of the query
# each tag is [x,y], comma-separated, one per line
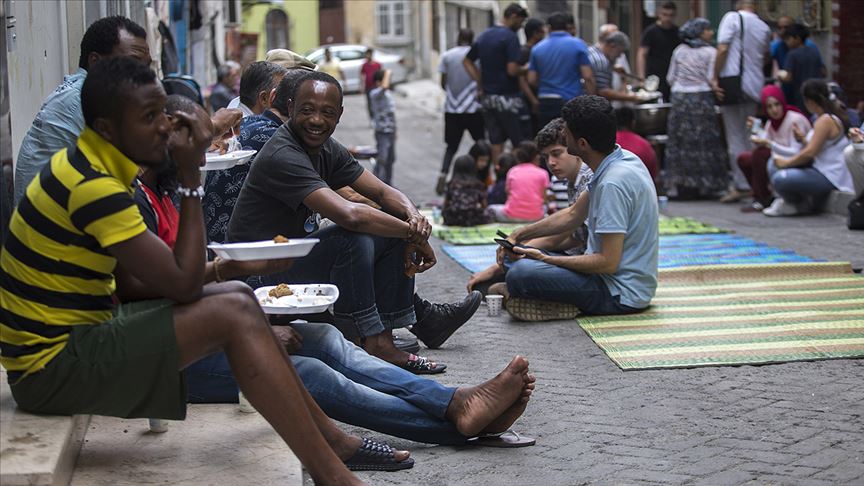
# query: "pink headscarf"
[772,91]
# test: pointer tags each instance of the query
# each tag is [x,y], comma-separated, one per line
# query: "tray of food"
[296,298]
[278,247]
[217,161]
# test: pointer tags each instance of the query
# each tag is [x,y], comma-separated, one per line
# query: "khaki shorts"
[126,367]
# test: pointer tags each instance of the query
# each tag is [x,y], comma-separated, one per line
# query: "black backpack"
[856,214]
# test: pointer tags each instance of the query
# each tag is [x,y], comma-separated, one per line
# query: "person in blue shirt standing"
[803,62]
[498,51]
[558,66]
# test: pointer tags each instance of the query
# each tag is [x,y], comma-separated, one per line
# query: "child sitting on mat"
[465,196]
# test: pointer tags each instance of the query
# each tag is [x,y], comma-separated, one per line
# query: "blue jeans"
[550,109]
[374,293]
[386,148]
[800,185]
[349,385]
[533,279]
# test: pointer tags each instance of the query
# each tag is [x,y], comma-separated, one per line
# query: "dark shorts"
[455,125]
[126,367]
[501,114]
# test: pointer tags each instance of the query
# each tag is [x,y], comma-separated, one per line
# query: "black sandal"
[375,456]
[420,365]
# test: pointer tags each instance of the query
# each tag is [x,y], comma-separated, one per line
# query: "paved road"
[795,423]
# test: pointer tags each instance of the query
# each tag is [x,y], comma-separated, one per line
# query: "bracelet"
[216,262]
[187,192]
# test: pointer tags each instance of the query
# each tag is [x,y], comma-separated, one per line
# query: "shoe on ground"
[732,196]
[780,208]
[437,322]
[439,186]
[754,207]
[408,344]
[533,310]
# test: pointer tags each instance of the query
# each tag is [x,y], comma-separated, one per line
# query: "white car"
[351,59]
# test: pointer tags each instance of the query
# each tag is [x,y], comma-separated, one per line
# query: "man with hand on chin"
[618,272]
[370,254]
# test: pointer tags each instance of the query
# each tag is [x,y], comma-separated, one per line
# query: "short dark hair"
[104,34]
[532,26]
[258,76]
[107,85]
[559,20]
[506,161]
[222,72]
[625,116]
[318,76]
[466,36]
[796,30]
[551,134]
[515,9]
[178,102]
[591,117]
[526,151]
[378,75]
[669,6]
[287,89]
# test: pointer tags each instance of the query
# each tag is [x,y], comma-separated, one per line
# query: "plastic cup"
[662,203]
[493,304]
[244,405]
[158,426]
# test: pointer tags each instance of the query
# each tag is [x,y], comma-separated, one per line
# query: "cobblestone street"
[794,423]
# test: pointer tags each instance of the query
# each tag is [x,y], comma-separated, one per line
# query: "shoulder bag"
[731,85]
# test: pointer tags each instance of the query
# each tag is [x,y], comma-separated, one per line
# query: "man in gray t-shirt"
[461,108]
[618,272]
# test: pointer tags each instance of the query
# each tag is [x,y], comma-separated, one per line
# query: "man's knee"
[231,286]
[520,272]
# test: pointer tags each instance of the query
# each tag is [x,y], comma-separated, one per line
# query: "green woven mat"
[793,312]
[484,234]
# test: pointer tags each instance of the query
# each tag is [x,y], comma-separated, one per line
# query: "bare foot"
[487,273]
[474,408]
[381,346]
[500,288]
[506,419]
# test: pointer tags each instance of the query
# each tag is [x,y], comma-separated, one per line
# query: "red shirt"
[368,69]
[167,217]
[639,146]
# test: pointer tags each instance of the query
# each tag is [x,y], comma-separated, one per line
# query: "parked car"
[351,58]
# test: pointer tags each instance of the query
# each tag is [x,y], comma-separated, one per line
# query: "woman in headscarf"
[786,125]
[695,157]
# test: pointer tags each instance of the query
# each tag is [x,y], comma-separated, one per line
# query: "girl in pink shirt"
[526,188]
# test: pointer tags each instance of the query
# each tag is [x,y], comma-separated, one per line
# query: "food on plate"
[280,290]
[280,239]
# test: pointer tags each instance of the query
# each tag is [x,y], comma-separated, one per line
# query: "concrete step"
[216,444]
[838,202]
[36,449]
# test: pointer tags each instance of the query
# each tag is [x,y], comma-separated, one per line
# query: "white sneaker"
[780,208]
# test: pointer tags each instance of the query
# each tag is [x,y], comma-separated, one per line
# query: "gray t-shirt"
[283,174]
[622,199]
[461,89]
[383,110]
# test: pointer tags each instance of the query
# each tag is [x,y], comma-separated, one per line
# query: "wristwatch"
[187,192]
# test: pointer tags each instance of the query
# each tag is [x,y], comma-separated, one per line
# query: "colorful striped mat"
[675,251]
[740,314]
[484,234]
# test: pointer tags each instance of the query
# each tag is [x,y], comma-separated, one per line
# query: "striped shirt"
[55,271]
[601,66]
[461,89]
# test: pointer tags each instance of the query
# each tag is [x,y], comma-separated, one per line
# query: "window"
[277,30]
[392,17]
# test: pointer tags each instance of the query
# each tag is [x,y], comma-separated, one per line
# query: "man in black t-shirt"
[655,49]
[370,254]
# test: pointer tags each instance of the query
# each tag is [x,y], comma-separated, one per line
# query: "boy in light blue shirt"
[618,272]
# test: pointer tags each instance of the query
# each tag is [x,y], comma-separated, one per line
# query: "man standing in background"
[655,49]
[367,71]
[461,108]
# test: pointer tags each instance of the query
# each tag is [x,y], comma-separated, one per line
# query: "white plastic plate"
[264,250]
[226,161]
[307,299]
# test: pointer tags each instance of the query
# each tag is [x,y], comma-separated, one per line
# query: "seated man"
[569,241]
[347,383]
[618,272]
[370,254]
[69,350]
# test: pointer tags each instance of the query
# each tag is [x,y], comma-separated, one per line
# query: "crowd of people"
[767,147]
[112,305]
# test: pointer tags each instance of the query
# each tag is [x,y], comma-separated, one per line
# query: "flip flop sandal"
[509,439]
[422,366]
[375,456]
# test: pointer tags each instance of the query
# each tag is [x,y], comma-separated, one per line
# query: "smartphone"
[504,243]
[502,234]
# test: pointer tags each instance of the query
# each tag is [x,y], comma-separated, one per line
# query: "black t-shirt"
[660,43]
[495,48]
[803,63]
[271,201]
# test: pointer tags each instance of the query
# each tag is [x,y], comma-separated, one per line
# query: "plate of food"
[278,247]
[217,161]
[296,298]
